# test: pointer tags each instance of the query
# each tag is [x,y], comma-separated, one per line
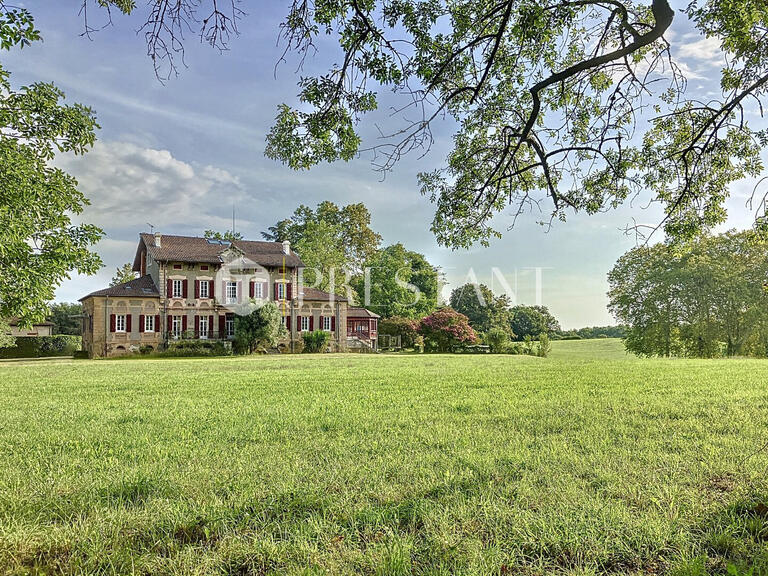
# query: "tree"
[123,274]
[704,298]
[531,321]
[399,283]
[262,328]
[227,236]
[484,309]
[406,328]
[344,232]
[445,329]
[66,317]
[579,102]
[39,245]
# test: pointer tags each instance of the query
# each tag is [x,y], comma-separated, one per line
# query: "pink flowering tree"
[445,329]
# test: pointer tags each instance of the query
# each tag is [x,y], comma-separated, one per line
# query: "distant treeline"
[591,332]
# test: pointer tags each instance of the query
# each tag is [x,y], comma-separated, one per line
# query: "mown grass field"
[587,462]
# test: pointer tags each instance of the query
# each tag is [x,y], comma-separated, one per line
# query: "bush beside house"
[42,346]
[445,329]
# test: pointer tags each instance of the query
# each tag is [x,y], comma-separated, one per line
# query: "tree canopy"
[227,235]
[123,274]
[484,309]
[706,298]
[66,318]
[39,244]
[582,104]
[400,282]
[329,236]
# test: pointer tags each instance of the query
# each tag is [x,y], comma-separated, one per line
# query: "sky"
[179,156]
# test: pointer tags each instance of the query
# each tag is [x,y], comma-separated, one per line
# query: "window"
[178,288]
[149,323]
[230,326]
[305,323]
[281,291]
[203,267]
[231,292]
[204,289]
[120,323]
[176,327]
[177,266]
[327,323]
[203,328]
[258,290]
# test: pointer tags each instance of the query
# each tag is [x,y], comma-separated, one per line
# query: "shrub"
[445,329]
[406,328]
[545,347]
[316,341]
[497,339]
[262,328]
[81,355]
[42,346]
[190,348]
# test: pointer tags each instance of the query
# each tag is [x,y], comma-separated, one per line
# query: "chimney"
[286,247]
[158,237]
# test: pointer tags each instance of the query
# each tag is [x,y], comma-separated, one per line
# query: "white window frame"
[202,327]
[120,323]
[180,292]
[304,322]
[282,291]
[327,323]
[149,323]
[258,290]
[229,327]
[177,327]
[205,288]
[231,288]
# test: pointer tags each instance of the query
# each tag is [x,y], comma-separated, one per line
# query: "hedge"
[42,346]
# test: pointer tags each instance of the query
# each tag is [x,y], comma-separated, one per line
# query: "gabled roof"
[142,287]
[357,312]
[196,249]
[315,294]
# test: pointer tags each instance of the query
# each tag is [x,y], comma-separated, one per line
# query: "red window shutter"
[197,326]
[251,289]
[210,326]
[157,323]
[320,319]
[169,325]
[311,323]
[288,291]
[288,323]
[197,289]
[141,323]
[298,323]
[184,288]
[184,323]
[222,326]
[111,322]
[128,322]
[277,294]
[169,291]
[333,323]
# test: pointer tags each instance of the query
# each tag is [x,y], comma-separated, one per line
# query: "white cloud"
[129,185]
[704,49]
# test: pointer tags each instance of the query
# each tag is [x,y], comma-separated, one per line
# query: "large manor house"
[191,287]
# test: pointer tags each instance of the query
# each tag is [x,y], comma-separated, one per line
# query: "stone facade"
[192,288]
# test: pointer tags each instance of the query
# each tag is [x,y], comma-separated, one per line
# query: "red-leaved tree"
[445,329]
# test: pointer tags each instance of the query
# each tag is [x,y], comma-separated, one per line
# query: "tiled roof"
[356,312]
[315,294]
[142,287]
[195,249]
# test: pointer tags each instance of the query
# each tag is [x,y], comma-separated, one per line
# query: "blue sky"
[180,155]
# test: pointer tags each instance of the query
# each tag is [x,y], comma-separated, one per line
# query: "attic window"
[147,290]
[203,267]
[177,266]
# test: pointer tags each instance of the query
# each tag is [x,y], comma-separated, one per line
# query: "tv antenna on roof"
[151,228]
[233,218]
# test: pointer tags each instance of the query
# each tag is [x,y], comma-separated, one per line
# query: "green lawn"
[587,462]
